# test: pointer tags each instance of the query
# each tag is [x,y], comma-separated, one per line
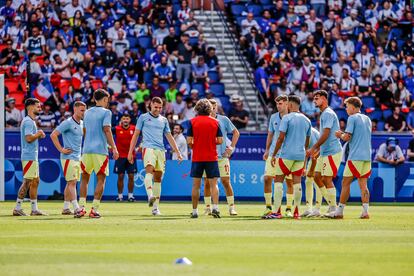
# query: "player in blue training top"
[224,152]
[330,151]
[29,136]
[95,158]
[153,127]
[358,133]
[294,136]
[70,154]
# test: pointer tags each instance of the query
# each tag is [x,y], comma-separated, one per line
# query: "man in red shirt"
[123,134]
[204,135]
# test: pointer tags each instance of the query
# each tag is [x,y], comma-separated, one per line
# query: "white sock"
[66,205]
[195,211]
[207,201]
[365,207]
[332,196]
[297,195]
[95,204]
[309,192]
[278,195]
[325,195]
[19,203]
[318,197]
[130,195]
[268,199]
[120,196]
[75,205]
[148,184]
[340,209]
[215,207]
[230,201]
[289,201]
[33,202]
[82,202]
[157,192]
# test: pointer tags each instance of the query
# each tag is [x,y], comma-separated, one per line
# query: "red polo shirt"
[204,130]
[123,139]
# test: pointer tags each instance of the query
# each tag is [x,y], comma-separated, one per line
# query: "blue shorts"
[211,169]
[122,165]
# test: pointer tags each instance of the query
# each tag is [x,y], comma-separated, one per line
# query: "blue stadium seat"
[176,8]
[375,115]
[255,9]
[368,101]
[213,76]
[193,41]
[380,126]
[237,10]
[341,113]
[266,2]
[239,20]
[145,41]
[200,88]
[217,89]
[225,103]
[148,76]
[133,42]
[386,113]
[164,85]
[83,50]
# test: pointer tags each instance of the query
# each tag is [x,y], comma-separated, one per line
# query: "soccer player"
[224,153]
[310,178]
[153,127]
[270,167]
[204,135]
[29,136]
[70,154]
[294,136]
[95,158]
[330,150]
[358,133]
[123,135]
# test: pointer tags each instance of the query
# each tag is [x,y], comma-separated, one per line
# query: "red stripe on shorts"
[353,170]
[298,172]
[103,168]
[83,168]
[283,167]
[27,167]
[333,166]
[65,169]
[368,174]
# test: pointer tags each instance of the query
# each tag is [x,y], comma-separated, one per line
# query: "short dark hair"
[126,115]
[30,101]
[181,127]
[322,93]
[100,93]
[295,99]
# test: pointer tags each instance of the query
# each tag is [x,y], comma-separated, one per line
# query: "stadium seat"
[255,9]
[213,76]
[77,83]
[375,115]
[19,97]
[217,89]
[96,84]
[193,41]
[64,87]
[148,76]
[164,85]
[368,101]
[266,2]
[341,113]
[145,42]
[200,88]
[39,59]
[12,85]
[225,103]
[133,42]
[386,113]
[380,126]
[115,85]
[237,10]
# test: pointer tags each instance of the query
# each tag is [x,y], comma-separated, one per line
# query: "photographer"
[390,153]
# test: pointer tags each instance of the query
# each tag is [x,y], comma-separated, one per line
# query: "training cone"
[183,261]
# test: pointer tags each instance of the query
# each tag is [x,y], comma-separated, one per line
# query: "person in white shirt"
[346,83]
[386,68]
[364,57]
[16,31]
[387,14]
[300,8]
[311,21]
[350,22]
[72,8]
[120,44]
[339,66]
[345,47]
[178,105]
[303,33]
[248,23]
[329,23]
[13,115]
[60,51]
[112,32]
[180,141]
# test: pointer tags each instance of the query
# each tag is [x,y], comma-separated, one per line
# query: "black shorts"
[122,165]
[211,169]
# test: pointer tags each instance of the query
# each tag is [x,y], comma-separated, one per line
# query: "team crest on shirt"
[131,132]
[122,132]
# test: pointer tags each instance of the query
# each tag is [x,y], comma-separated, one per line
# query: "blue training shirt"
[360,127]
[153,130]
[72,133]
[330,120]
[297,127]
[274,124]
[226,127]
[29,151]
[96,118]
[314,137]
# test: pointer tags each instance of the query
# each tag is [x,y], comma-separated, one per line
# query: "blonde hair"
[355,101]
[203,107]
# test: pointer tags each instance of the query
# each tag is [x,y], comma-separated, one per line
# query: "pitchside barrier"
[387,184]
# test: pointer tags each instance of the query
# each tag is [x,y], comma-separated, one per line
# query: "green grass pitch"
[128,240]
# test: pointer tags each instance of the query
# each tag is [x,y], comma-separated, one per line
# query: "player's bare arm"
[108,133]
[322,139]
[190,142]
[229,150]
[219,140]
[344,136]
[33,137]
[55,139]
[132,146]
[173,144]
[279,144]
[268,143]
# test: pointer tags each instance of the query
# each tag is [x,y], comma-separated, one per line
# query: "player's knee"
[121,176]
